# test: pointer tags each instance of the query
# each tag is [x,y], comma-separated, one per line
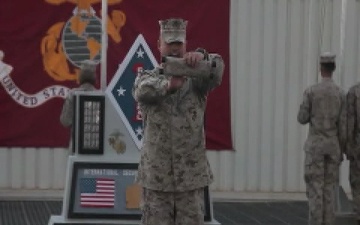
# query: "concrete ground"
[19,212]
[227,213]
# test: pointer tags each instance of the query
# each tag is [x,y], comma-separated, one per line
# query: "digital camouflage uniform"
[353,147]
[173,160]
[158,207]
[67,112]
[323,107]
[86,79]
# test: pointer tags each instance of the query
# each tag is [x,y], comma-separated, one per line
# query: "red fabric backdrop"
[32,34]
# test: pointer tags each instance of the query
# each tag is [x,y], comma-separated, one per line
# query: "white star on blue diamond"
[121,91]
[139,131]
[140,53]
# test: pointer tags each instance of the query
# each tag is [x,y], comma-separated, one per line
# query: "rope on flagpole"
[323,4]
[323,12]
[104,44]
[342,40]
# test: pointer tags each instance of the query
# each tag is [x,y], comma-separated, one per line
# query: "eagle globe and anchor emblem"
[77,39]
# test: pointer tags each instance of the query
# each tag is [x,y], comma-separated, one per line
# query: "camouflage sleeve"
[66,115]
[342,125]
[303,116]
[351,120]
[150,87]
[204,84]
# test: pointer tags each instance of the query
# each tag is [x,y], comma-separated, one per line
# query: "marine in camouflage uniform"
[173,168]
[353,146]
[87,80]
[324,108]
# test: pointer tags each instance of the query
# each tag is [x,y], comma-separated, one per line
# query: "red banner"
[44,41]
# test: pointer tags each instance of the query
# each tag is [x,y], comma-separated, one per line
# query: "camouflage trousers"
[321,177]
[172,208]
[354,179]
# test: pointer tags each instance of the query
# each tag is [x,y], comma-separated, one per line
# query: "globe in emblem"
[82,38]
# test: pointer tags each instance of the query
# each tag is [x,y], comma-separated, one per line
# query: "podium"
[100,183]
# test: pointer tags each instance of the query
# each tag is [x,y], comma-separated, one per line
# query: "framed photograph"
[104,190]
[91,124]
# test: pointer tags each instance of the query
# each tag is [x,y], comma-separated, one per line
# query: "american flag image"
[97,192]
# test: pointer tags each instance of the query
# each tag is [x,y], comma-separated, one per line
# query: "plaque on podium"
[109,191]
[104,190]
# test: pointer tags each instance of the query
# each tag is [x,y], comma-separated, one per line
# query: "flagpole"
[104,44]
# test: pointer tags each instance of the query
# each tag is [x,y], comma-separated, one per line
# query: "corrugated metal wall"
[274,50]
[22,170]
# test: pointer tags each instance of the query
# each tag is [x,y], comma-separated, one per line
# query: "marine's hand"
[175,83]
[192,58]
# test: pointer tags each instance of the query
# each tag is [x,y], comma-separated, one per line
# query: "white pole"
[104,44]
